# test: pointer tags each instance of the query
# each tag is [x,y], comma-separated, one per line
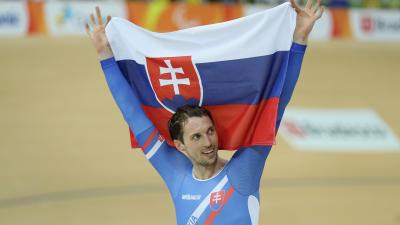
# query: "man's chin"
[210,160]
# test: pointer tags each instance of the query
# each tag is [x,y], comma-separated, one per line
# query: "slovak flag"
[235,69]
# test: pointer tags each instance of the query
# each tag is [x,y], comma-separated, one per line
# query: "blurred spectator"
[338,3]
[329,3]
[390,4]
[371,3]
[270,2]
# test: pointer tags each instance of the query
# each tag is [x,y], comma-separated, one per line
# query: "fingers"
[98,14]
[108,19]
[294,5]
[320,12]
[309,4]
[92,20]
[316,6]
[87,28]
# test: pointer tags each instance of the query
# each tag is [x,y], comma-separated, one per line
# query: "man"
[205,188]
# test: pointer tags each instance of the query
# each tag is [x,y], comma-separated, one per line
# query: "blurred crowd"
[393,4]
[347,3]
[385,4]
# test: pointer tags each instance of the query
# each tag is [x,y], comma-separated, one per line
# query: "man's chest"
[203,202]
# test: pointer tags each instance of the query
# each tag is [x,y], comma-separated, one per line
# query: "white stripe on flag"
[259,34]
[154,149]
[203,205]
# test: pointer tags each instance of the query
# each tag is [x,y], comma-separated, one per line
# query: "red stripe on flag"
[245,125]
[238,125]
[134,142]
[149,139]
[210,219]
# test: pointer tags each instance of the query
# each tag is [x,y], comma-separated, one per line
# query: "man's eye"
[196,137]
[211,131]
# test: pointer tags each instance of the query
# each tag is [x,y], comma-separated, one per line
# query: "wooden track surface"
[65,157]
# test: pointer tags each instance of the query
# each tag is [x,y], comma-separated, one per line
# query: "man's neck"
[205,172]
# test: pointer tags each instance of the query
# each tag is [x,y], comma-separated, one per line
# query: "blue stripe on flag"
[250,80]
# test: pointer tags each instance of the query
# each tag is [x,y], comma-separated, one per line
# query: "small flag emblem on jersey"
[160,138]
[175,81]
[217,200]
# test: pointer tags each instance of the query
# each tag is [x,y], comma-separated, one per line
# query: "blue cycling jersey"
[229,197]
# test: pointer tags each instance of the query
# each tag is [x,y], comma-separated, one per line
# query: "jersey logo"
[191,197]
[192,220]
[175,81]
[217,200]
[161,138]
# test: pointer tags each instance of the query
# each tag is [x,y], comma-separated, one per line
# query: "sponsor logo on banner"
[162,16]
[70,17]
[13,18]
[376,24]
[344,130]
[180,18]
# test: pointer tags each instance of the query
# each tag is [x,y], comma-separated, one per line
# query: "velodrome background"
[65,156]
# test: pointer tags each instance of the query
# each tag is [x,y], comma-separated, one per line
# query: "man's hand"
[98,35]
[305,19]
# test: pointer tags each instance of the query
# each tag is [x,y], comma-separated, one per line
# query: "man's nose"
[207,141]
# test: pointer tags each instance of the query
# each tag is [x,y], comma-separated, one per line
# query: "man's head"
[192,130]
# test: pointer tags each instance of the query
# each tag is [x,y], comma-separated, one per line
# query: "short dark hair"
[180,117]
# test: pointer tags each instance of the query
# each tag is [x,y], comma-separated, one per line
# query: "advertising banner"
[70,17]
[341,23]
[161,16]
[375,25]
[322,30]
[37,24]
[338,130]
[13,18]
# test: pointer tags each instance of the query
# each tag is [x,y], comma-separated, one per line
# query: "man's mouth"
[208,151]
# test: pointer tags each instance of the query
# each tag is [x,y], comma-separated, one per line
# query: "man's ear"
[179,145]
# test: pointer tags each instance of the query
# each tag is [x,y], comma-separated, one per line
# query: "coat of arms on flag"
[175,81]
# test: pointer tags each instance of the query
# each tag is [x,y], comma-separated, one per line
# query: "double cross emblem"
[175,82]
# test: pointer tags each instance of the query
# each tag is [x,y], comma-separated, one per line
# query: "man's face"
[200,141]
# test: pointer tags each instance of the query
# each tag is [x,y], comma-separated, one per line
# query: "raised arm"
[305,20]
[296,55]
[169,162]
[247,164]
